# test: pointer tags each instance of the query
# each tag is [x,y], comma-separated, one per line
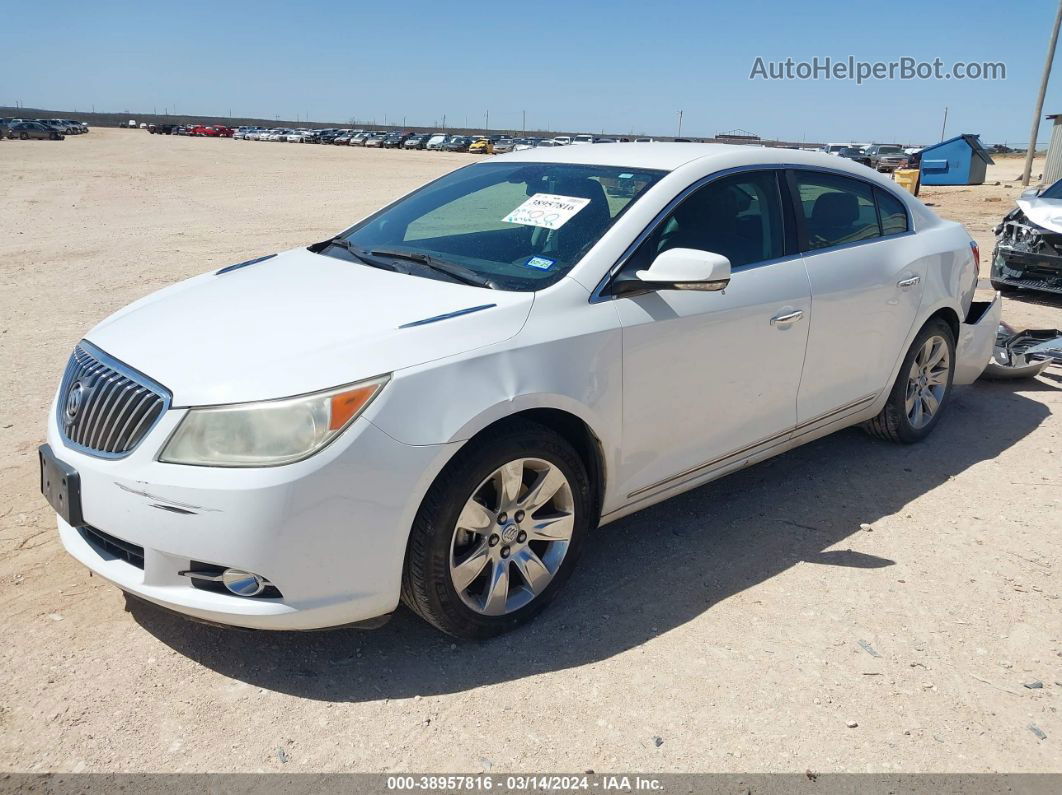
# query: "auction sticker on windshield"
[546,210]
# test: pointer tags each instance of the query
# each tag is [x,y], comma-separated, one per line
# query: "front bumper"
[1027,269]
[329,532]
[977,338]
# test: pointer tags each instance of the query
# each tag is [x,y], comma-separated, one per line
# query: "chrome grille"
[106,408]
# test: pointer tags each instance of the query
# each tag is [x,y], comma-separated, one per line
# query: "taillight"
[976,256]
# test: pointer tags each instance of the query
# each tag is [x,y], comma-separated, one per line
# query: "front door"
[708,376]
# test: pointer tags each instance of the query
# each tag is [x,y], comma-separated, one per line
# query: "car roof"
[671,156]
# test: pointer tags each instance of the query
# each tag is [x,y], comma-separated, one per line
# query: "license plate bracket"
[61,486]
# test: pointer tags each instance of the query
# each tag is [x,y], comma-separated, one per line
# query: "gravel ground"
[849,606]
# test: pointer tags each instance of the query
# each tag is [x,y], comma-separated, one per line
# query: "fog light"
[243,583]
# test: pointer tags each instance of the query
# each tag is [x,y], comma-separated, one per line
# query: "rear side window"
[837,210]
[893,213]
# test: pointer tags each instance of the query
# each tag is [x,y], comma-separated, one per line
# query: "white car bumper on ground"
[328,532]
[977,338]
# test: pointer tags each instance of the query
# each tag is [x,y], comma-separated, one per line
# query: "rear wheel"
[498,533]
[922,387]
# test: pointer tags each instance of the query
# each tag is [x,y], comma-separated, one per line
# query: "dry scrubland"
[722,630]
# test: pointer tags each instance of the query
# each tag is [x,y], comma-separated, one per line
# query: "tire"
[896,423]
[23,136]
[439,548]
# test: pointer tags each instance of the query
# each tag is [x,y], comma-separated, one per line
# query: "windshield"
[523,226]
[1054,192]
[889,150]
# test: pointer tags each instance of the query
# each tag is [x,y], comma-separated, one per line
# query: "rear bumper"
[977,337]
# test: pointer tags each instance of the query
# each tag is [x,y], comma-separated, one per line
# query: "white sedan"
[439,404]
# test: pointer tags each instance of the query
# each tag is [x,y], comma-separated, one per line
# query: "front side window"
[836,209]
[739,217]
[522,226]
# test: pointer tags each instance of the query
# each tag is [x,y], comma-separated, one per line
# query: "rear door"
[865,290]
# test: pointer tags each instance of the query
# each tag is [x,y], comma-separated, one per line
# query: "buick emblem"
[75,397]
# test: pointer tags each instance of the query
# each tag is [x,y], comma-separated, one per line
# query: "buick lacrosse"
[437,405]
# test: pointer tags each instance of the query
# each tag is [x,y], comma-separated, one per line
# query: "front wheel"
[922,387]
[498,533]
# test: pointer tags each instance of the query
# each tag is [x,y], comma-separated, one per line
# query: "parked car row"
[197,130]
[495,143]
[41,129]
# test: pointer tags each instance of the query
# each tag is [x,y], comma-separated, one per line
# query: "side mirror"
[679,269]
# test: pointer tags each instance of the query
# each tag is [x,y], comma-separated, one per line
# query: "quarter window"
[836,209]
[893,214]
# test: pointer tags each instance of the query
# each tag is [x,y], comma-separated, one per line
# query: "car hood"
[300,322]
[1042,212]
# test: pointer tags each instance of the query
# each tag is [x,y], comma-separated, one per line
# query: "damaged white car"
[437,405]
[1028,253]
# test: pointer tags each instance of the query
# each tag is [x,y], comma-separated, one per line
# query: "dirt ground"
[913,591]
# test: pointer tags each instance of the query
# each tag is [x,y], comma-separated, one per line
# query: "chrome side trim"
[447,316]
[768,443]
[846,408]
[700,468]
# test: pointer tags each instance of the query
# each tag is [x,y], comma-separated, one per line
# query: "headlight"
[268,433]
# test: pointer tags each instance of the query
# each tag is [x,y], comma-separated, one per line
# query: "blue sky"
[623,66]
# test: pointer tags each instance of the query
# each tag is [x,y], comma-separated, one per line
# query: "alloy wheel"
[927,381]
[512,536]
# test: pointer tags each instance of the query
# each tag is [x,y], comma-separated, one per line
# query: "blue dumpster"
[961,160]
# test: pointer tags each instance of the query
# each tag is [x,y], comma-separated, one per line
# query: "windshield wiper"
[459,272]
[359,254]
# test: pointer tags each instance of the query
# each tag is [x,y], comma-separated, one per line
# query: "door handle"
[911,282]
[788,317]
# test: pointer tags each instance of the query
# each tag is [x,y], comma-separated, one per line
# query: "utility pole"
[444,121]
[679,125]
[486,122]
[1039,109]
[945,124]
[523,122]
